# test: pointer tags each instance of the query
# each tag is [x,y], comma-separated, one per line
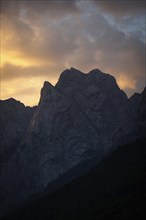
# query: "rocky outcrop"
[142,108]
[79,118]
[100,100]
[138,111]
[14,120]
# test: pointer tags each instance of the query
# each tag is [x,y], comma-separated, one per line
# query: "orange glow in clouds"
[37,47]
[126,82]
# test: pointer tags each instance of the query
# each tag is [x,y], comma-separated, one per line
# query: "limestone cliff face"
[79,118]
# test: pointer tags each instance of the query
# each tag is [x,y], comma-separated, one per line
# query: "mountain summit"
[79,118]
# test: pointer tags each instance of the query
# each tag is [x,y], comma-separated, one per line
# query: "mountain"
[78,119]
[138,111]
[142,108]
[113,189]
[14,119]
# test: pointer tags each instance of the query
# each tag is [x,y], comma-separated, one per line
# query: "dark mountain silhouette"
[14,120]
[80,119]
[114,189]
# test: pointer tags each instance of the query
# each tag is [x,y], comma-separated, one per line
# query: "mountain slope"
[138,110]
[114,189]
[14,120]
[80,118]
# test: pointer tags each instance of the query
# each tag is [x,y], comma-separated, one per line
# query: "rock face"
[138,112]
[99,98]
[79,118]
[14,120]
[142,108]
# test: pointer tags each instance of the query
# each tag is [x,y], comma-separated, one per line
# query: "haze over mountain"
[82,117]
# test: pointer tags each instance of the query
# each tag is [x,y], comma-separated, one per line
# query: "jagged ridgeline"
[81,118]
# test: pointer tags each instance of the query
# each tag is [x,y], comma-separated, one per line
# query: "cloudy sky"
[39,39]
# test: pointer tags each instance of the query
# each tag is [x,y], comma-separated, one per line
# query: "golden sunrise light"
[72,109]
[38,43]
[125,82]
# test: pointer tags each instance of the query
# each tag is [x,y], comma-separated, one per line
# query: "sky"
[41,38]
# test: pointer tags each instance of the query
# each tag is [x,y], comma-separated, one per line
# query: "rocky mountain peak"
[101,79]
[73,82]
[11,102]
[144,92]
[79,118]
[70,76]
[46,87]
[135,100]
[142,107]
[96,72]
[14,120]
[48,90]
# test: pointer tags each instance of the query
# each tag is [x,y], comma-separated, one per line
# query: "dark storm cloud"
[122,7]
